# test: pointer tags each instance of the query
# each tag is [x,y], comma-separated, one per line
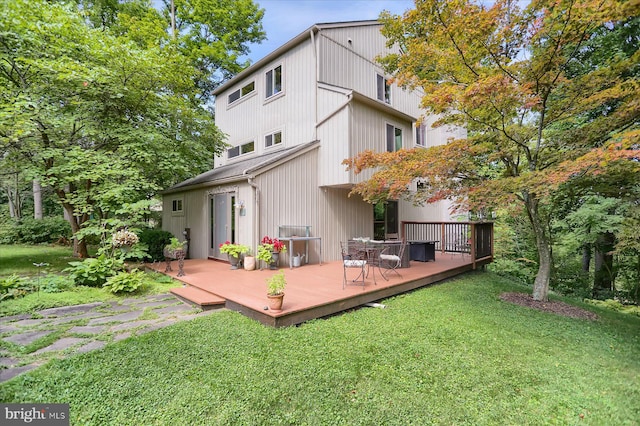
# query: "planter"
[178,254]
[249,263]
[234,261]
[275,301]
[275,258]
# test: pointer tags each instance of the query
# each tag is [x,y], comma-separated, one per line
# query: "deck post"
[473,245]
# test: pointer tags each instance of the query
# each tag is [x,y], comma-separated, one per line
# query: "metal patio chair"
[391,262]
[351,259]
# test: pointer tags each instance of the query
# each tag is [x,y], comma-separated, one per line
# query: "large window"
[242,92]
[394,138]
[421,135]
[273,139]
[383,89]
[241,149]
[273,81]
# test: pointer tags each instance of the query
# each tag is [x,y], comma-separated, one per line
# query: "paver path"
[83,328]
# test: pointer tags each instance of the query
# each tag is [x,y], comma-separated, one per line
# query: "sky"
[285,19]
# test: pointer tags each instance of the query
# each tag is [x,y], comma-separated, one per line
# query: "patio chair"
[462,244]
[391,262]
[351,260]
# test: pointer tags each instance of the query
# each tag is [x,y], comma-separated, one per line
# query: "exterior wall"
[194,216]
[292,111]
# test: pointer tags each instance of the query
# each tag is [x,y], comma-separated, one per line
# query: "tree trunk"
[604,274]
[37,200]
[540,232]
[586,257]
[79,246]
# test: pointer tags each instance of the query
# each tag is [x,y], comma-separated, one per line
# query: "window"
[176,207]
[273,139]
[384,89]
[421,135]
[242,92]
[394,138]
[273,81]
[241,150]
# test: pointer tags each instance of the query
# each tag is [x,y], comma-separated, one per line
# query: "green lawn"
[19,258]
[449,354]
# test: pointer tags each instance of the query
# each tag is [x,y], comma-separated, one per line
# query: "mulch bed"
[556,307]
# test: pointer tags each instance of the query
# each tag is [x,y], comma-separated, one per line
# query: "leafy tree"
[506,74]
[100,118]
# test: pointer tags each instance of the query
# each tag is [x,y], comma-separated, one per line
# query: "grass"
[19,258]
[449,354]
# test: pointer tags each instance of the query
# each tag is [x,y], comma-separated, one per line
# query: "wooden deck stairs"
[199,298]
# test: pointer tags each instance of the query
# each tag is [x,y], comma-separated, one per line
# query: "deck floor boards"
[312,290]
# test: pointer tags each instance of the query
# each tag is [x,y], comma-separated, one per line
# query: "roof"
[242,170]
[288,46]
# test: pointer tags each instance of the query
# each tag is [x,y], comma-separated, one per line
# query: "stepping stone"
[130,325]
[88,315]
[59,345]
[88,329]
[91,346]
[25,339]
[127,316]
[116,307]
[121,336]
[157,326]
[69,310]
[14,318]
[154,304]
[8,327]
[177,309]
[30,322]
[10,373]
[7,362]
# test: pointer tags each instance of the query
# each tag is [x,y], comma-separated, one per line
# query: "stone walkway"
[82,328]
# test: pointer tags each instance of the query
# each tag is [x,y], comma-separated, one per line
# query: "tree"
[101,117]
[502,72]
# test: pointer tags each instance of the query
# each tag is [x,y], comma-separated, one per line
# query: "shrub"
[46,230]
[155,240]
[521,270]
[125,282]
[52,283]
[93,272]
[14,286]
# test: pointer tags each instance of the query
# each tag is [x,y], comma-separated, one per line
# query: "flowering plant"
[124,238]
[234,250]
[275,244]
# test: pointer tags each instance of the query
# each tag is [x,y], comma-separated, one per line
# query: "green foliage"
[276,283]
[264,253]
[45,230]
[234,250]
[616,306]
[53,283]
[450,354]
[156,240]
[520,270]
[93,272]
[125,282]
[175,244]
[14,286]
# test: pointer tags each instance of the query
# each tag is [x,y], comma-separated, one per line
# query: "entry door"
[221,222]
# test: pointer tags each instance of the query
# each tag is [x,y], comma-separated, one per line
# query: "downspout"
[315,101]
[256,200]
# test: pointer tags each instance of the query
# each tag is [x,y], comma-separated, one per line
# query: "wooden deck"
[313,291]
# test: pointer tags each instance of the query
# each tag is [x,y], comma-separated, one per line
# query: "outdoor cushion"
[354,263]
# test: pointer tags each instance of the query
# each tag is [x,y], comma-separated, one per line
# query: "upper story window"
[241,149]
[421,135]
[383,89]
[394,138]
[273,81]
[273,139]
[242,92]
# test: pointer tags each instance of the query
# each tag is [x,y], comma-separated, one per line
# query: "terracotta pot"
[275,301]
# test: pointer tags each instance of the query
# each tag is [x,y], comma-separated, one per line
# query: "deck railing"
[473,238]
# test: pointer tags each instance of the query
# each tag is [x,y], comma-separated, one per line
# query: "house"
[291,119]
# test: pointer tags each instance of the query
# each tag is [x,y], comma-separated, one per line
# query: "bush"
[14,286]
[125,282]
[52,283]
[155,240]
[522,270]
[46,230]
[93,272]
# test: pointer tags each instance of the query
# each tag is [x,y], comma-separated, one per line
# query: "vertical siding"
[292,111]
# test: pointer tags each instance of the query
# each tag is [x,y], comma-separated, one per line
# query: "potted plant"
[249,261]
[233,252]
[269,251]
[275,290]
[175,248]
